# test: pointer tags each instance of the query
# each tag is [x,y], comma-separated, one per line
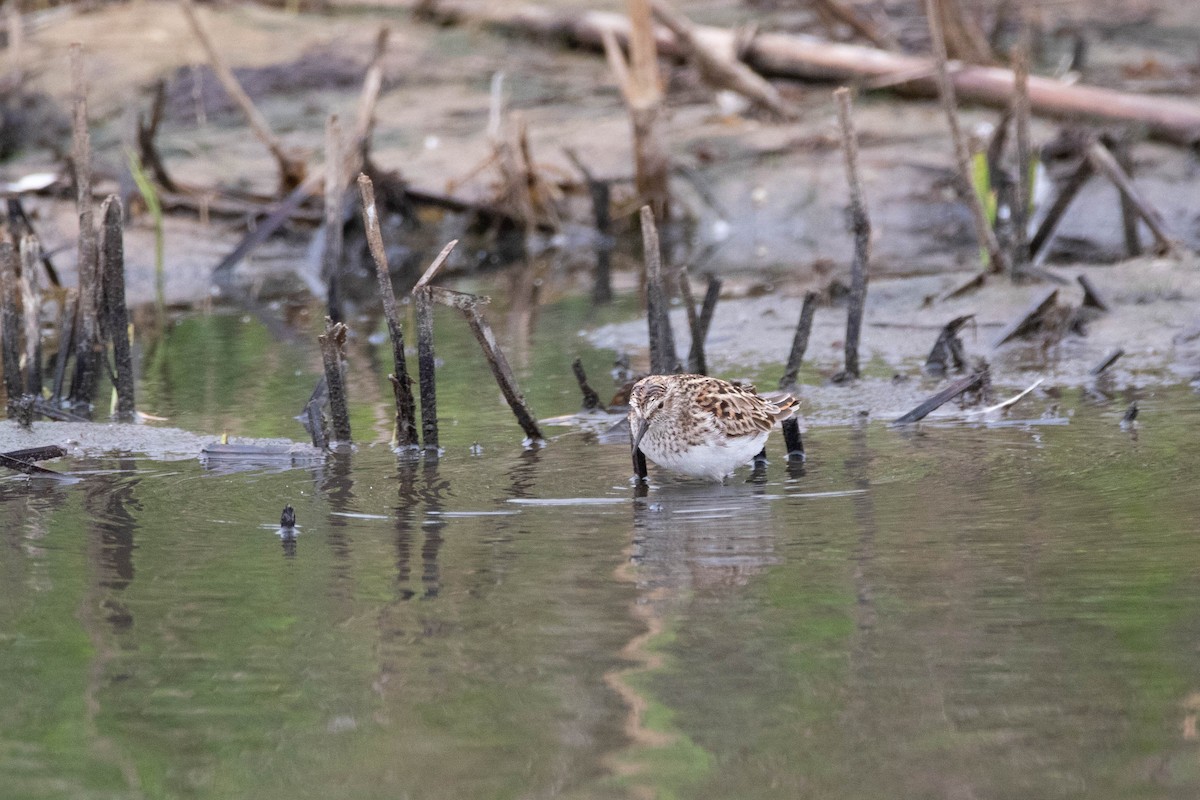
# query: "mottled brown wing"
[740,410]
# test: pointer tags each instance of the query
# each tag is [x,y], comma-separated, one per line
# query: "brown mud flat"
[766,198]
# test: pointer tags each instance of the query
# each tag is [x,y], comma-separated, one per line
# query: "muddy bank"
[1153,305]
[765,197]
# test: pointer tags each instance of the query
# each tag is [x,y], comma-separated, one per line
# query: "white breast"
[712,461]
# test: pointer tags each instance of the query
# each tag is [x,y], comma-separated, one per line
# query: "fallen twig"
[1108,361]
[1030,319]
[941,398]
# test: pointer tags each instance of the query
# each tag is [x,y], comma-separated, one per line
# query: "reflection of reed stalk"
[150,198]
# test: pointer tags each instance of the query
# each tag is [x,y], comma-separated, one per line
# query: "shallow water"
[946,611]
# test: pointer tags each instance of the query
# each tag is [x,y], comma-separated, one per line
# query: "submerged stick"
[941,398]
[114,313]
[663,360]
[83,382]
[862,233]
[27,467]
[405,430]
[997,260]
[591,400]
[31,302]
[799,341]
[10,326]
[332,342]
[469,305]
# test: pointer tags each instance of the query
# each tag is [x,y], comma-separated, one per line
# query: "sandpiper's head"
[645,403]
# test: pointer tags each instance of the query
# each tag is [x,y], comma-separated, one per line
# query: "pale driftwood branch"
[789,55]
[291,170]
[997,259]
[721,67]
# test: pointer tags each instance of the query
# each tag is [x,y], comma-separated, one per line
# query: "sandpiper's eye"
[652,393]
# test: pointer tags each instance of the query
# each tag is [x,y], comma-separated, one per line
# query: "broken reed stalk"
[641,88]
[708,306]
[799,341]
[948,350]
[87,355]
[1030,319]
[469,305]
[404,433]
[332,342]
[31,303]
[291,170]
[335,185]
[426,372]
[1020,115]
[861,226]
[114,312]
[10,326]
[997,260]
[1091,295]
[663,360]
[591,400]
[1103,162]
[941,398]
[1123,153]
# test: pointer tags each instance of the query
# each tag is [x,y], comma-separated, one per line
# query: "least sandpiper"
[699,426]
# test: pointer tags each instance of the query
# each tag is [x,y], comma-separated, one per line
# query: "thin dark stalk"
[708,306]
[862,233]
[591,400]
[332,342]
[1103,162]
[799,341]
[696,363]
[663,359]
[426,369]
[115,313]
[405,429]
